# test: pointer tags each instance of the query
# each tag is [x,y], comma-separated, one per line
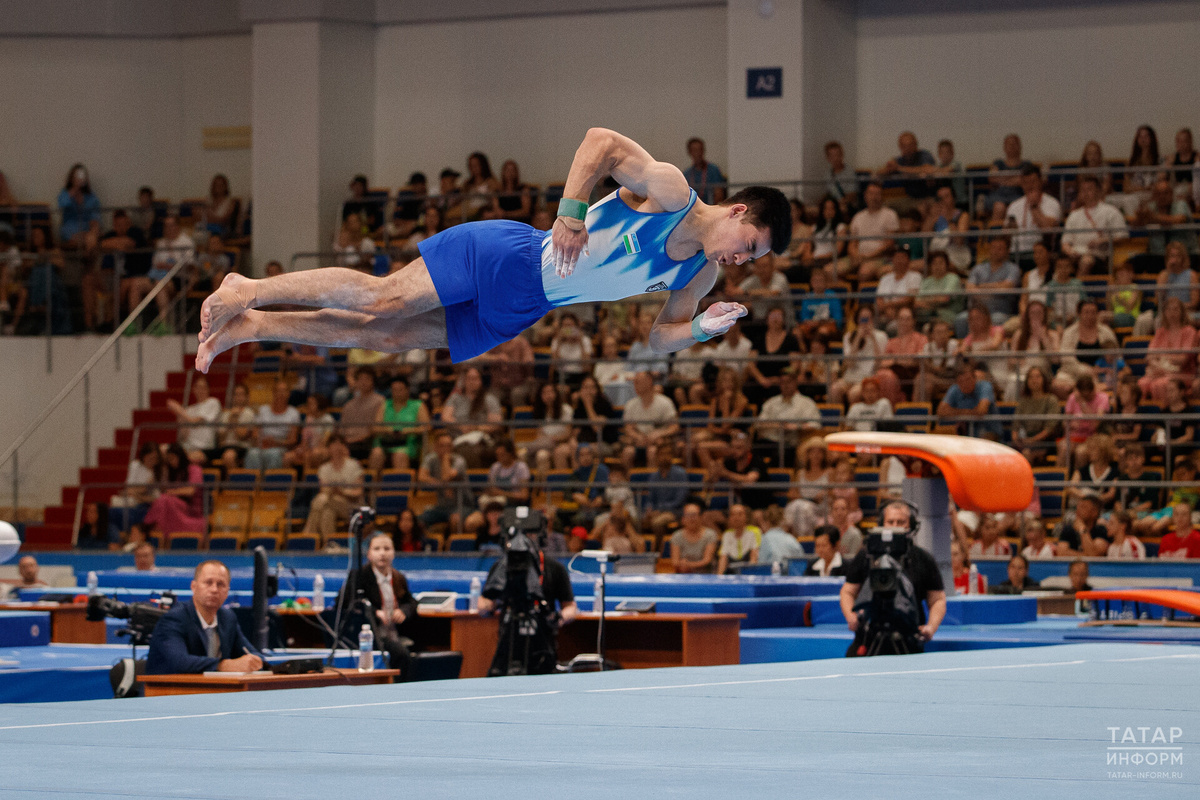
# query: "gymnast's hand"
[719,317]
[567,242]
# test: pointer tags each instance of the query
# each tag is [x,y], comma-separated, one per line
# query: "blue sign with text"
[764,82]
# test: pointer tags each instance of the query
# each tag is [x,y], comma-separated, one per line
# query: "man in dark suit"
[393,608]
[201,636]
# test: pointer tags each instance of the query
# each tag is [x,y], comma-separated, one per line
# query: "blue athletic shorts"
[488,276]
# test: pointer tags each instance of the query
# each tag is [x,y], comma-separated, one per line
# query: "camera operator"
[922,573]
[532,593]
[201,636]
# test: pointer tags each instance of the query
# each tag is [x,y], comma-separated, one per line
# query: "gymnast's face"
[735,240]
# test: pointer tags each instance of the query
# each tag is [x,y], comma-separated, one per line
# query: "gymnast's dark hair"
[770,209]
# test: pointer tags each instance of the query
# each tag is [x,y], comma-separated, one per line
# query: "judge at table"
[393,605]
[201,636]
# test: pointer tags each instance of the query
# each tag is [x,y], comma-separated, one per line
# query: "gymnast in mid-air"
[482,283]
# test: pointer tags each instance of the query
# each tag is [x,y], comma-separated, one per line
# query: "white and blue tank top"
[626,256]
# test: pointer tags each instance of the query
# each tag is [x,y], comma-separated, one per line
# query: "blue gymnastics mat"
[1035,722]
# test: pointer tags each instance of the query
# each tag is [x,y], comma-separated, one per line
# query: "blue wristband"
[572,208]
[697,333]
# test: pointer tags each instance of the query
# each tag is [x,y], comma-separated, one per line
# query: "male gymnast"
[482,283]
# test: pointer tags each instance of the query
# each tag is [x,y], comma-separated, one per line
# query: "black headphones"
[913,514]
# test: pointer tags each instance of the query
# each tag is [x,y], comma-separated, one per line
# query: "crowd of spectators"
[1001,315]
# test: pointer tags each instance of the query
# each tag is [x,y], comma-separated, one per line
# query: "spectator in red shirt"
[1183,541]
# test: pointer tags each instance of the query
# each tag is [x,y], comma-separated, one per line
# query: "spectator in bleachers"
[402,424]
[508,478]
[937,369]
[828,562]
[1143,160]
[667,494]
[1185,492]
[960,566]
[571,350]
[175,247]
[913,162]
[860,351]
[408,534]
[410,202]
[798,257]
[987,282]
[149,213]
[1031,343]
[587,484]
[440,471]
[1175,332]
[1033,534]
[119,247]
[1138,501]
[898,371]
[479,187]
[619,532]
[1084,401]
[341,481]
[1186,157]
[842,182]
[1180,433]
[778,544]
[949,165]
[474,414]
[354,248]
[431,222]
[1038,275]
[687,377]
[740,542]
[877,221]
[842,517]
[277,431]
[1124,543]
[210,267]
[871,407]
[785,418]
[93,528]
[368,210]
[1081,531]
[200,418]
[610,367]
[807,497]
[985,339]
[179,507]
[511,370]
[593,406]
[1086,334]
[1090,230]
[1095,472]
[694,545]
[220,212]
[1176,280]
[828,242]
[821,308]
[968,399]
[1123,300]
[79,207]
[989,542]
[27,571]
[897,288]
[766,289]
[703,176]
[1162,213]
[1018,578]
[734,350]
[236,424]
[946,219]
[650,418]
[312,449]
[1035,437]
[1091,162]
[143,558]
[642,357]
[128,507]
[514,200]
[727,405]
[360,414]
[1032,213]
[1006,189]
[742,468]
[1183,541]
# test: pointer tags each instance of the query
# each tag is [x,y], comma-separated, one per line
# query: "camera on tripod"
[527,624]
[888,608]
[143,617]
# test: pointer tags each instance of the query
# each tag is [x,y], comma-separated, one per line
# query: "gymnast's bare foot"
[237,331]
[232,297]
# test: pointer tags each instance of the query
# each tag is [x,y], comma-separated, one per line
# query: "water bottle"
[476,591]
[93,583]
[318,598]
[366,649]
[973,580]
[598,596]
[776,568]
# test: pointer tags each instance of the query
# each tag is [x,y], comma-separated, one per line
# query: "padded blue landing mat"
[1040,722]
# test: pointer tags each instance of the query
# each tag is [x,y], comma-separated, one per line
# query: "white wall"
[130,109]
[52,457]
[529,88]
[1056,76]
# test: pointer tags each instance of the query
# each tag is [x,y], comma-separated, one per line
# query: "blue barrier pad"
[24,628]
[960,610]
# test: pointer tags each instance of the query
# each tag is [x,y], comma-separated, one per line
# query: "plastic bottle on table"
[476,591]
[598,596]
[93,583]
[973,580]
[366,649]
[318,598]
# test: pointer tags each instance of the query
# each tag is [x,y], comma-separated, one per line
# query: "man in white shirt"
[876,220]
[765,289]
[205,409]
[649,418]
[783,416]
[873,406]
[898,288]
[1032,213]
[1090,228]
[733,351]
